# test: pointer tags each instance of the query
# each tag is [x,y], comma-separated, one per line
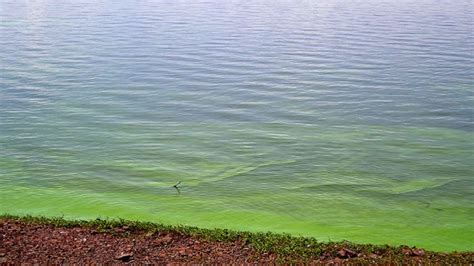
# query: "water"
[334,119]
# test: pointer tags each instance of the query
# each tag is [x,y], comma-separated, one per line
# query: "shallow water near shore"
[319,118]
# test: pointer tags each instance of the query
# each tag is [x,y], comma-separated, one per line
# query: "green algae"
[381,185]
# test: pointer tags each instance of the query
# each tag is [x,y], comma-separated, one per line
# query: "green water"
[342,121]
[370,185]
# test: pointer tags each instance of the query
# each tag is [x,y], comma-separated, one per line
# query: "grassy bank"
[285,248]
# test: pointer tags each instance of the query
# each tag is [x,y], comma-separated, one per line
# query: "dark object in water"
[176,186]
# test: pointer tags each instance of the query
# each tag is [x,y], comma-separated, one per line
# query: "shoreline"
[56,240]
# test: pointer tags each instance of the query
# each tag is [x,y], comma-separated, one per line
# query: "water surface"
[333,119]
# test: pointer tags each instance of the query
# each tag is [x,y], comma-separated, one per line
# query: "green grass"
[285,246]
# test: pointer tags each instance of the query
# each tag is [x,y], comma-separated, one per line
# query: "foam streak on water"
[334,119]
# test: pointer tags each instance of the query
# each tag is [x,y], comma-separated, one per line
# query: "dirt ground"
[40,243]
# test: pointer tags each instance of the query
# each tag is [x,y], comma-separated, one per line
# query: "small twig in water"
[176,187]
[177,184]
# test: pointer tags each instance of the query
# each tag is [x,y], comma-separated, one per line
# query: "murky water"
[334,119]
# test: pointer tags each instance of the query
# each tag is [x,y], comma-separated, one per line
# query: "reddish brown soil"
[47,244]
[36,243]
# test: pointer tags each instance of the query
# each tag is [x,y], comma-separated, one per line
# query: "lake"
[334,119]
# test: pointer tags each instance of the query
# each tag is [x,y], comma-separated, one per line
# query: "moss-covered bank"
[274,247]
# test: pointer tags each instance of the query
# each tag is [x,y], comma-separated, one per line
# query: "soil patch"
[24,241]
